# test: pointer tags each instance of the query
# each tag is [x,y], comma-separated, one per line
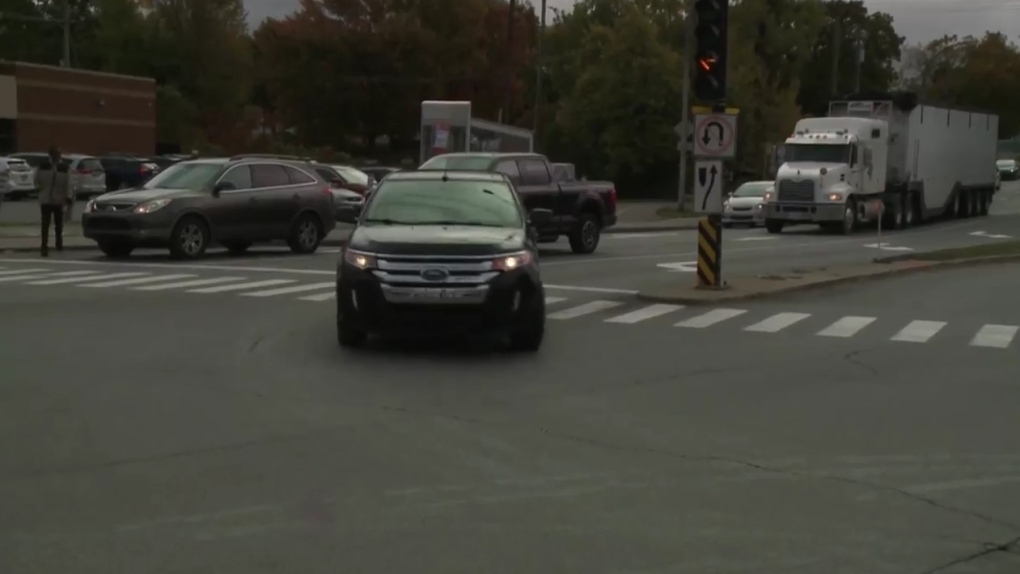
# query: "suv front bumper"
[804,212]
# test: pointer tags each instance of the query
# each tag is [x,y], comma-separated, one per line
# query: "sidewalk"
[634,217]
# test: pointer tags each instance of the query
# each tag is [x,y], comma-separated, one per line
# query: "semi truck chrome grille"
[796,190]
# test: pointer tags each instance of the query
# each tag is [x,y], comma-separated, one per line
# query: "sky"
[918,20]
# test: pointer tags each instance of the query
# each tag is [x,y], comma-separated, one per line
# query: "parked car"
[235,202]
[88,178]
[16,178]
[436,251]
[342,197]
[127,172]
[581,210]
[745,205]
[34,160]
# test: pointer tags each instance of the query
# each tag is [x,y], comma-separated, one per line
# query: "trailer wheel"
[907,207]
[986,202]
[963,209]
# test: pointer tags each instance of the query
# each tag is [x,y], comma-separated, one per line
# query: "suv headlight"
[359,259]
[90,206]
[151,206]
[511,261]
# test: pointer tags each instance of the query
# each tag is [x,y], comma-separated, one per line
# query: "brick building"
[81,111]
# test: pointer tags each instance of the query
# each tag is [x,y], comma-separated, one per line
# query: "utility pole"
[505,115]
[67,34]
[539,72]
[859,56]
[837,46]
[685,104]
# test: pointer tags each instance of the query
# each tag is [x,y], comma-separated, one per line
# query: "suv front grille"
[434,271]
[802,191]
[114,206]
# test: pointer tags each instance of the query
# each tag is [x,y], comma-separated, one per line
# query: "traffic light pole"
[685,108]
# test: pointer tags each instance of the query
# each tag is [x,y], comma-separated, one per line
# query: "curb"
[923,266]
[26,249]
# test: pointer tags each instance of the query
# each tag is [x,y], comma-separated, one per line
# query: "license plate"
[440,294]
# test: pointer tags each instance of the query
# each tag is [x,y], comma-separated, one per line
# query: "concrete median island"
[761,286]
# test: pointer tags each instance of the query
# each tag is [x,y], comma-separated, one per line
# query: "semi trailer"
[888,157]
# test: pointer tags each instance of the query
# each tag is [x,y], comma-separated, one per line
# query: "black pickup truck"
[581,209]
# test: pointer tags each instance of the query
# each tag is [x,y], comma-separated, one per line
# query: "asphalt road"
[167,430]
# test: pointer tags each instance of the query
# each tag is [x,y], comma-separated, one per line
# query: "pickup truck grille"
[803,191]
[434,271]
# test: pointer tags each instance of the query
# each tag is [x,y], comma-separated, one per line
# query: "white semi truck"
[886,157]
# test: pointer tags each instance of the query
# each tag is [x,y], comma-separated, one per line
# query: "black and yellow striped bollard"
[710,252]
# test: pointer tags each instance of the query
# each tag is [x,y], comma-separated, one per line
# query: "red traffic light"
[707,63]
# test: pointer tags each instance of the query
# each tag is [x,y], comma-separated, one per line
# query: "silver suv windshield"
[438,202]
[185,175]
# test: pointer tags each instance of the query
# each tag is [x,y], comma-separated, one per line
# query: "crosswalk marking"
[995,336]
[549,300]
[846,327]
[12,278]
[644,313]
[22,271]
[320,297]
[186,284]
[918,331]
[139,281]
[585,309]
[777,322]
[242,286]
[710,318]
[289,290]
[90,277]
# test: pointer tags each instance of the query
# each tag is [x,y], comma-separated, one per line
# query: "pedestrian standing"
[53,180]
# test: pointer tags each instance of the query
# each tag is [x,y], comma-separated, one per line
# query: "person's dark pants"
[54,214]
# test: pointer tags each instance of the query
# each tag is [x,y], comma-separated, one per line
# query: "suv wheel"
[306,234]
[529,335]
[189,239]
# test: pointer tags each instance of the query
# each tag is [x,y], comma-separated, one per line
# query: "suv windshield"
[820,153]
[754,189]
[407,202]
[459,163]
[185,176]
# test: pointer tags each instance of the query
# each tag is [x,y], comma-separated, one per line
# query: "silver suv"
[235,202]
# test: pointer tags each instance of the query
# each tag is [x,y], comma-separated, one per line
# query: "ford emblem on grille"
[434,274]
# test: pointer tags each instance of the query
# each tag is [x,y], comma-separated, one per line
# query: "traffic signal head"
[710,35]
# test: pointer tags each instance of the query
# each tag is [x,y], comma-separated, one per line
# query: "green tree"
[618,118]
[848,22]
[122,42]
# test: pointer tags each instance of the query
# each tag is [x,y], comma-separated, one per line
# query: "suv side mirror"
[540,217]
[223,186]
[348,213]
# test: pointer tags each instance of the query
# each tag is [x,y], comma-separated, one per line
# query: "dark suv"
[235,202]
[435,251]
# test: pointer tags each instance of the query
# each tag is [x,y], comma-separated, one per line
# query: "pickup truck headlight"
[359,259]
[151,206]
[511,261]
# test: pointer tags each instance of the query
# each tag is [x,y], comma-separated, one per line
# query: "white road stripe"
[127,282]
[553,300]
[644,314]
[289,290]
[192,283]
[23,271]
[591,289]
[34,276]
[995,336]
[777,322]
[587,308]
[919,331]
[320,297]
[94,276]
[711,318]
[243,286]
[846,327]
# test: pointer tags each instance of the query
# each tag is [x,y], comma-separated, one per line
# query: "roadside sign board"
[715,135]
[708,187]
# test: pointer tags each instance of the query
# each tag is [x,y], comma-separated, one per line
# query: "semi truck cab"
[828,164]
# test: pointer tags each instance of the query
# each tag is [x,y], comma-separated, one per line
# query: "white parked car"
[17,178]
